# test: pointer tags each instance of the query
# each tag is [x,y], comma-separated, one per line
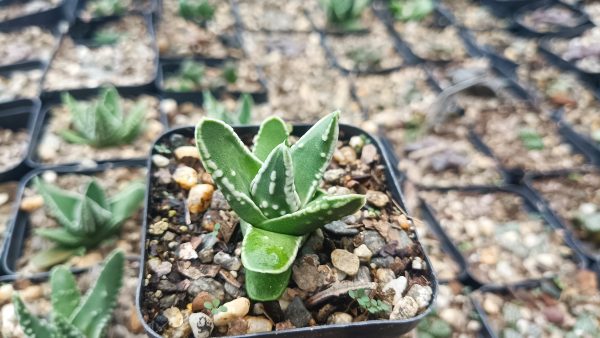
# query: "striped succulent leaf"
[272,132]
[73,316]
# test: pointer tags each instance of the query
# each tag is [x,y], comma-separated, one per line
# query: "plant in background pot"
[189,77]
[101,8]
[411,10]
[344,15]
[86,219]
[72,315]
[274,190]
[103,123]
[198,11]
[217,110]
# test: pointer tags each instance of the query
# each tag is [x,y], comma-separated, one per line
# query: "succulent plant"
[72,315]
[531,139]
[105,37]
[86,219]
[103,123]
[199,11]
[217,110]
[188,77]
[372,305]
[274,191]
[344,14]
[229,73]
[411,10]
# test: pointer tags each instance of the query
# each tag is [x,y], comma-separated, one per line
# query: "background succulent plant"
[73,316]
[344,14]
[198,11]
[86,219]
[217,110]
[103,123]
[274,190]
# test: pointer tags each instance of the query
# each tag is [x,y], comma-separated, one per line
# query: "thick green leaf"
[65,294]
[112,101]
[312,153]
[61,204]
[317,213]
[73,137]
[273,187]
[213,108]
[133,124]
[95,310]
[44,260]
[80,118]
[231,165]
[91,216]
[107,127]
[61,236]
[245,112]
[272,132]
[264,286]
[32,326]
[64,329]
[95,192]
[269,252]
[127,202]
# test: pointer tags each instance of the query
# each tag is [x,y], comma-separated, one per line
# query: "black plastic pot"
[15,115]
[591,77]
[379,328]
[553,217]
[80,94]
[64,11]
[530,202]
[19,228]
[562,31]
[170,66]
[82,34]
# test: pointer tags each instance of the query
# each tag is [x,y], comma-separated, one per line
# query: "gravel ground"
[28,44]
[14,145]
[20,84]
[8,192]
[18,9]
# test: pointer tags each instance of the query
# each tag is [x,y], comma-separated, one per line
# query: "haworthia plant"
[103,123]
[73,316]
[217,110]
[86,219]
[274,190]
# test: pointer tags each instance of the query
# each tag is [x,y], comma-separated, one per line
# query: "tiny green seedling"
[531,139]
[275,191]
[105,37]
[189,77]
[229,73]
[74,316]
[103,123]
[344,14]
[214,307]
[372,305]
[216,229]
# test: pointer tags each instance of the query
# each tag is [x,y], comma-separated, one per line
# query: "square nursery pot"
[63,11]
[169,66]
[19,229]
[149,310]
[33,158]
[531,204]
[19,115]
[581,20]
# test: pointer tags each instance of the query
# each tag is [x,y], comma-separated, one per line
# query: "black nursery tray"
[505,8]
[18,228]
[379,328]
[591,77]
[531,203]
[15,115]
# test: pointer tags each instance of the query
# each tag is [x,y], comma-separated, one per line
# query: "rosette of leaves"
[73,316]
[344,14]
[189,77]
[274,191]
[107,7]
[86,219]
[217,110]
[103,123]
